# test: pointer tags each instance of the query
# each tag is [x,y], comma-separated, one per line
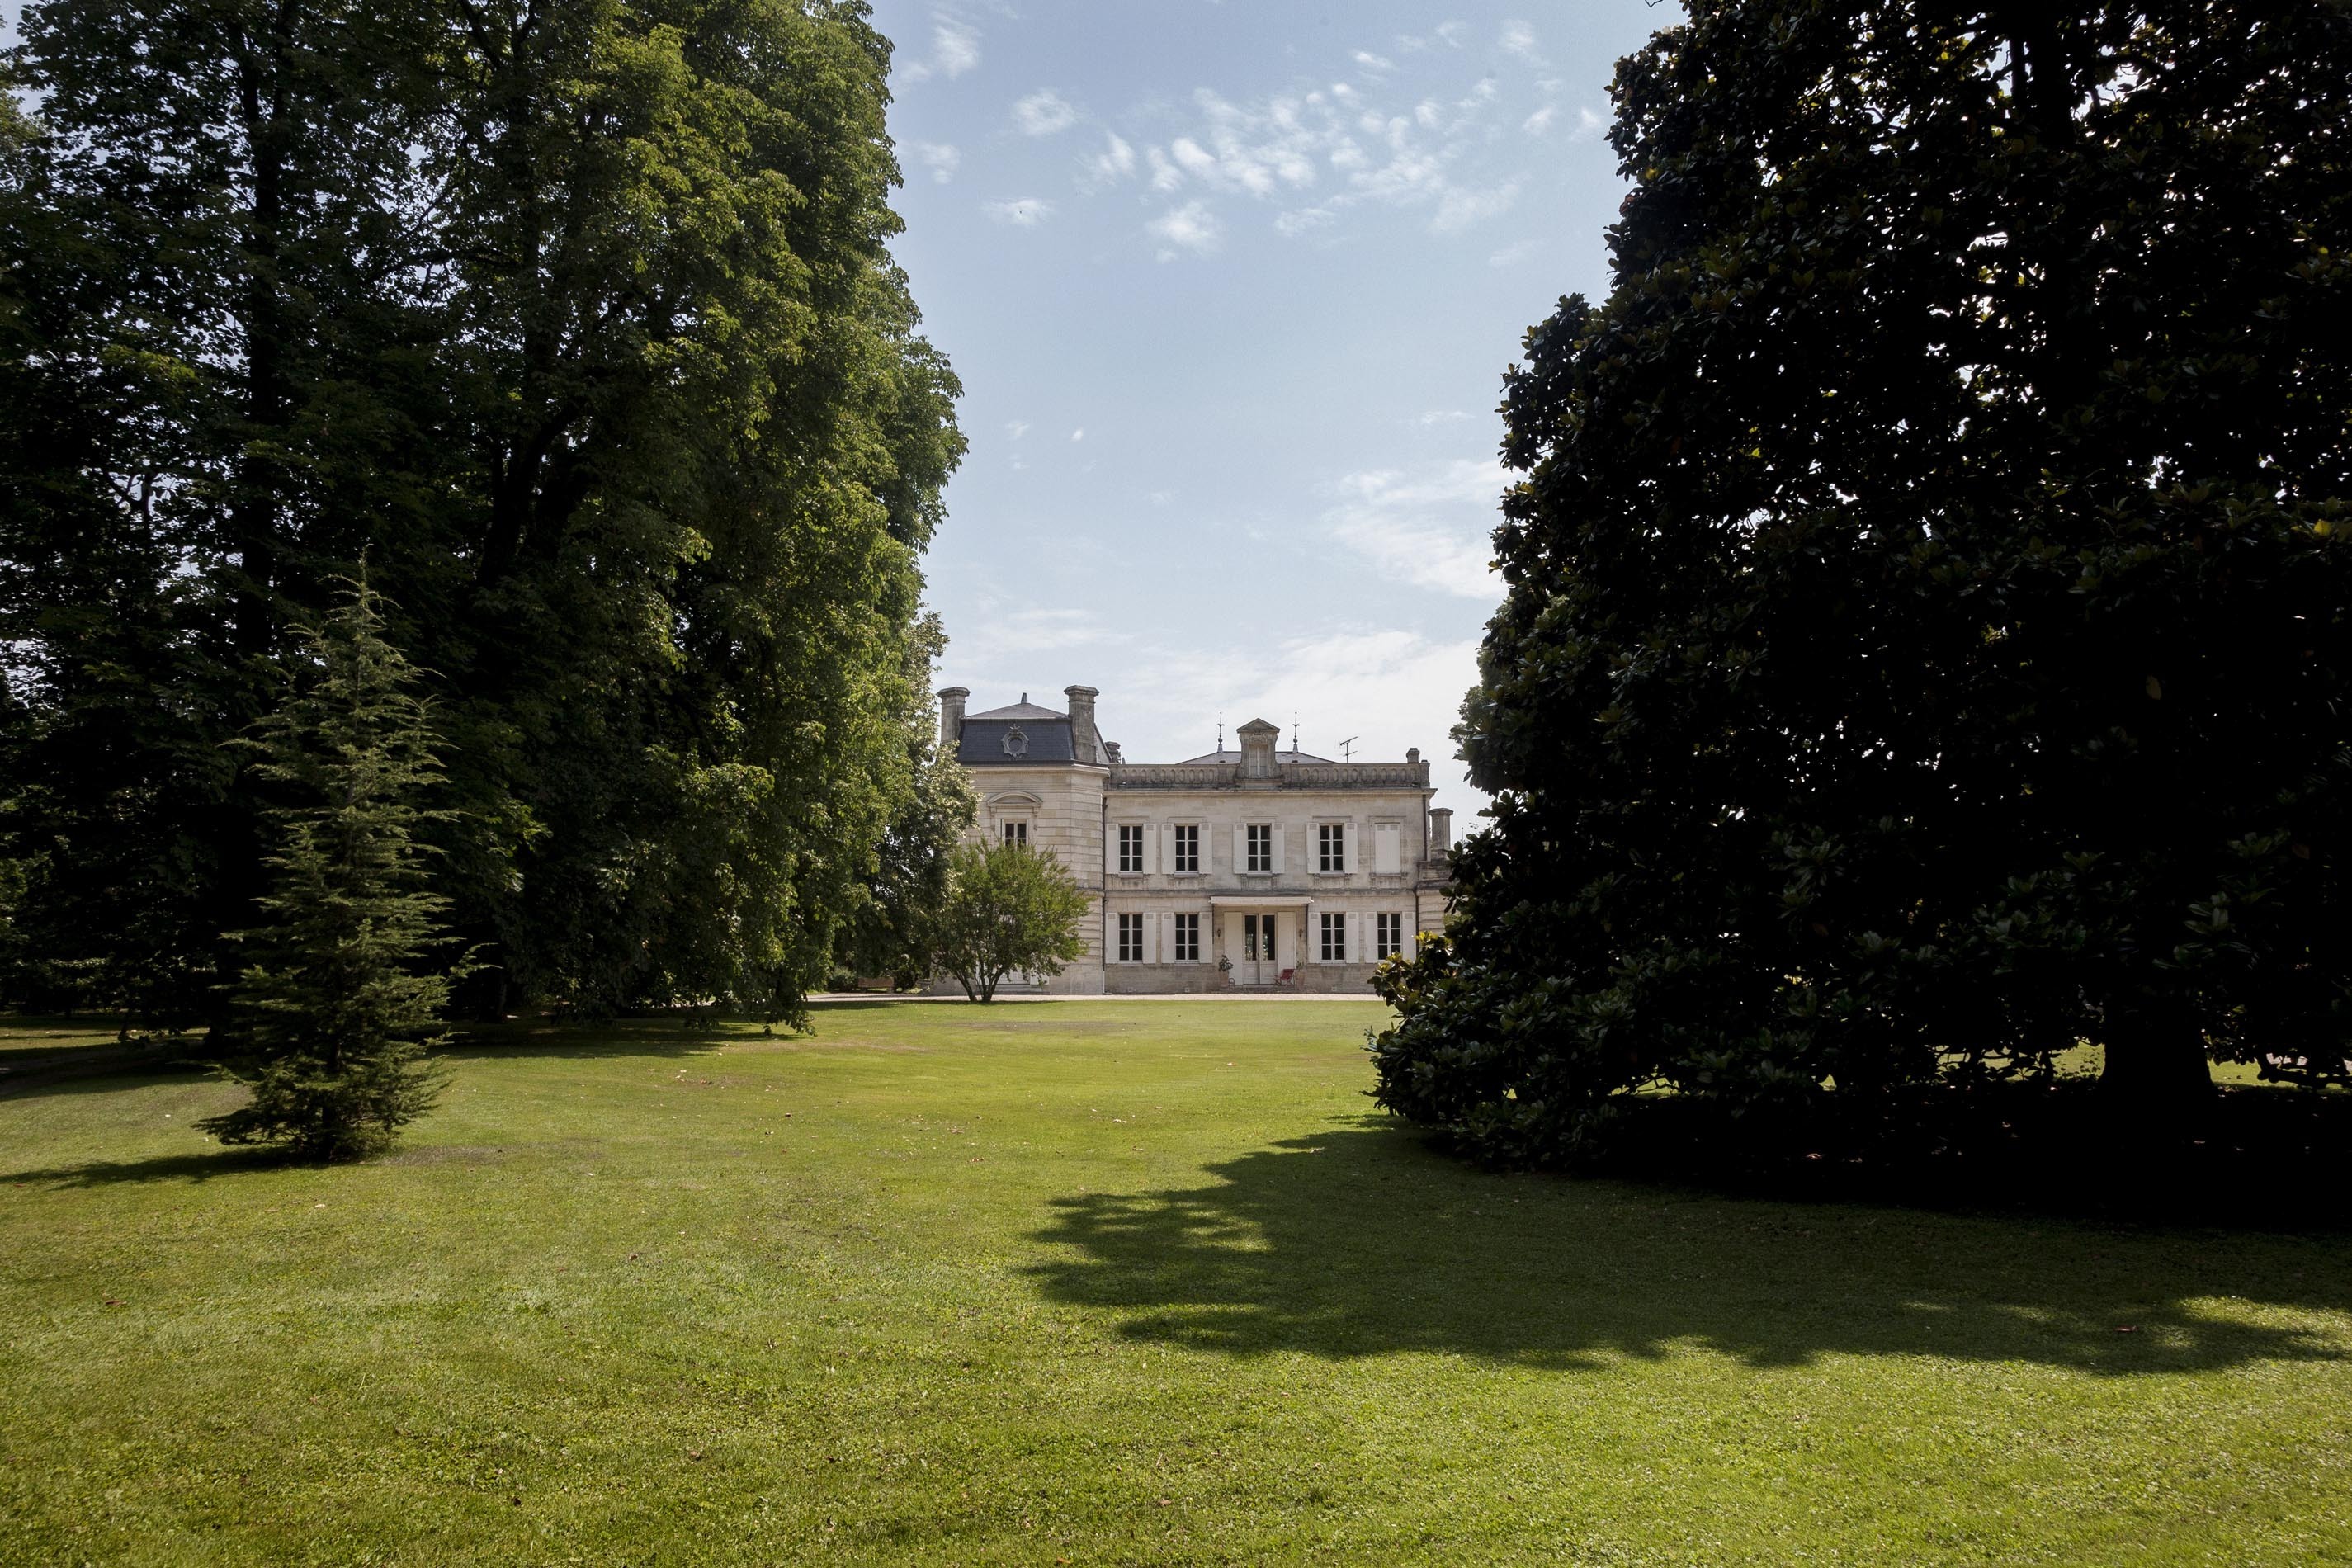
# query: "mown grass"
[1094,1282]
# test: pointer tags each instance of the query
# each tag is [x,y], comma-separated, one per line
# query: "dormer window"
[1016,743]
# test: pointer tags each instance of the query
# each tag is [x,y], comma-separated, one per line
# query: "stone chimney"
[1411,755]
[1084,739]
[1441,833]
[951,717]
[1258,749]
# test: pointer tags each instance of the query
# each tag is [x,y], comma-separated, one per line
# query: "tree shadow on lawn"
[193,1168]
[1362,1242]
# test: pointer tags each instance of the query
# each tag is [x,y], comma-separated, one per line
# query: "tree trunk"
[2156,1082]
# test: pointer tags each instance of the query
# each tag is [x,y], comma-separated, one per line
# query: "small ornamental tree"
[1927,640]
[1009,908]
[339,1001]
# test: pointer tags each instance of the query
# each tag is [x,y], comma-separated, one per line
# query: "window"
[1017,745]
[1389,935]
[1332,838]
[1130,939]
[1130,846]
[1261,846]
[1188,847]
[1335,939]
[1017,833]
[1188,939]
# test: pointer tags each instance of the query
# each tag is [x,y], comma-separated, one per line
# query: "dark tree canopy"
[1926,642]
[578,319]
[1008,909]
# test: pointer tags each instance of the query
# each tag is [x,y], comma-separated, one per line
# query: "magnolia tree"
[1009,909]
[1926,640]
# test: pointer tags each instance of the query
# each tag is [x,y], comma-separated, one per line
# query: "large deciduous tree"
[578,319]
[1926,642]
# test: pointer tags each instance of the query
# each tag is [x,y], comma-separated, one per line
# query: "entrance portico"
[1264,936]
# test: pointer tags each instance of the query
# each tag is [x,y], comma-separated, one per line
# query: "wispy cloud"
[1115,163]
[1010,631]
[1441,417]
[1017,428]
[1588,126]
[1026,212]
[1373,63]
[1191,227]
[1521,39]
[1513,254]
[940,158]
[1538,122]
[1043,113]
[1078,434]
[955,50]
[1429,528]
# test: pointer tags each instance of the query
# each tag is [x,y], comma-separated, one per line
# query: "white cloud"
[1521,39]
[1441,417]
[1017,428]
[1374,63]
[1430,529]
[1459,207]
[1588,125]
[1513,254]
[1192,226]
[955,50]
[1165,175]
[1161,498]
[1027,212]
[1538,122]
[1045,114]
[1078,434]
[1115,163]
[1030,631]
[939,157]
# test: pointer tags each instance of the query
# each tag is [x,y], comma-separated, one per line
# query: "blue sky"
[1231,288]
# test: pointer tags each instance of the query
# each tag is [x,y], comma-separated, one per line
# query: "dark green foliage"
[887,931]
[340,998]
[578,321]
[1008,908]
[1925,643]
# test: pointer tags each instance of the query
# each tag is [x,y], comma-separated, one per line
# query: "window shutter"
[1150,849]
[1240,847]
[1347,847]
[1168,846]
[1384,847]
[1279,863]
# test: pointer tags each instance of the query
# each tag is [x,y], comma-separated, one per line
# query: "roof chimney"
[1111,748]
[1441,833]
[1412,753]
[951,717]
[1085,743]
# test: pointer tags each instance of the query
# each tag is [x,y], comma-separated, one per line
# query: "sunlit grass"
[1102,1281]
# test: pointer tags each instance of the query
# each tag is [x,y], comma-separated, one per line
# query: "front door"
[1259,957]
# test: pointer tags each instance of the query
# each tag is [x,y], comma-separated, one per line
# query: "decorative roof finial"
[1220,729]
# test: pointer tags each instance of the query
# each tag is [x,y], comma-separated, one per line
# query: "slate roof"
[1284,758]
[1044,740]
[1022,711]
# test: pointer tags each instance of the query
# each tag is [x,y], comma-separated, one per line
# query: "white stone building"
[1249,870]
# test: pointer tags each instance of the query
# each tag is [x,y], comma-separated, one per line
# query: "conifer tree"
[337,1008]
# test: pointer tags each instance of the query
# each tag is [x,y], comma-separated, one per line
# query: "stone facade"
[1249,870]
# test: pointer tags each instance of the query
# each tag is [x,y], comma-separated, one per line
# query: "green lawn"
[1093,1282]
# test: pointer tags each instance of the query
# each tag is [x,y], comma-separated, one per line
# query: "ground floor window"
[1335,939]
[1188,939]
[1016,833]
[1130,939]
[1388,939]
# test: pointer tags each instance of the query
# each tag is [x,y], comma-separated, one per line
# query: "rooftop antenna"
[1345,754]
[1294,731]
[1220,729]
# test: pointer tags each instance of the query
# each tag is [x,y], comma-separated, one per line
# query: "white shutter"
[1279,863]
[1347,847]
[1240,847]
[1168,846]
[1150,849]
[1384,847]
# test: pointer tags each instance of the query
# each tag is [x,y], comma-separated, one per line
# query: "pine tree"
[338,1007]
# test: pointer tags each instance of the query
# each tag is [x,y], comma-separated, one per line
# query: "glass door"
[1258,949]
